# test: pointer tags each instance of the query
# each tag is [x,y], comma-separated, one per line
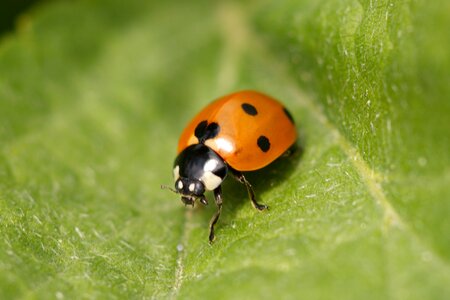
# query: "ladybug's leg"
[291,151]
[240,177]
[202,200]
[218,198]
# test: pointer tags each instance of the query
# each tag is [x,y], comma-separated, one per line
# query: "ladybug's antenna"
[166,187]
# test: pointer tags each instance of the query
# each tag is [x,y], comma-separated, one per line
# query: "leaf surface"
[93,97]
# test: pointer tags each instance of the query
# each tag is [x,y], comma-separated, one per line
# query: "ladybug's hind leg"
[241,178]
[215,218]
[291,150]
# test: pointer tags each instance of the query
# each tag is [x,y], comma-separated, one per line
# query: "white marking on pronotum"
[176,173]
[210,165]
[191,187]
[180,185]
[210,180]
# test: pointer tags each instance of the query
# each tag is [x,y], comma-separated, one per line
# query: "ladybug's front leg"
[240,177]
[218,198]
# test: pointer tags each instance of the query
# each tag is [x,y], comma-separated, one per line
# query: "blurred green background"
[10,11]
[93,97]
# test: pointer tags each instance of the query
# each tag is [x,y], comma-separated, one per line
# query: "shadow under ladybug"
[262,180]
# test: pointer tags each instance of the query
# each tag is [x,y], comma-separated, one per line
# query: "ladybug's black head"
[197,169]
[190,189]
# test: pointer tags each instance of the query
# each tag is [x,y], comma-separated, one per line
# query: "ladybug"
[242,131]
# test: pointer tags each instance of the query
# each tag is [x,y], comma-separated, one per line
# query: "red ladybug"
[243,131]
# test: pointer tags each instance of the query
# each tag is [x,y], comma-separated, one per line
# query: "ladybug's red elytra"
[243,131]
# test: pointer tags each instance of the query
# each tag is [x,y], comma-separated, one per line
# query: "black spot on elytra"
[249,109]
[205,131]
[263,143]
[288,114]
[200,129]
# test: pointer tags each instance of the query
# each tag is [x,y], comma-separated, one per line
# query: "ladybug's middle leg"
[240,177]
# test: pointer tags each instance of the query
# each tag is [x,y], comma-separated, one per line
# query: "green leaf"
[93,96]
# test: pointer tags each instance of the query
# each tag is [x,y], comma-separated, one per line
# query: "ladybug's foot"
[211,235]
[259,207]
[212,223]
